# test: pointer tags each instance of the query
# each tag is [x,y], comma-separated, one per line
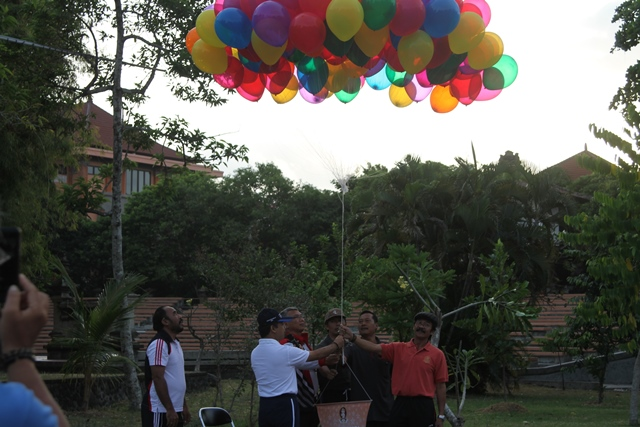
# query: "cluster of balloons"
[320,48]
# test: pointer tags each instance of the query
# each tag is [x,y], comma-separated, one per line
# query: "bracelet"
[336,344]
[14,355]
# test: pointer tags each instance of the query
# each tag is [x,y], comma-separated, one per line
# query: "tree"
[158,47]
[626,101]
[93,340]
[39,129]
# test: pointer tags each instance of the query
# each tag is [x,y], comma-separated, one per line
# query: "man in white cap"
[274,366]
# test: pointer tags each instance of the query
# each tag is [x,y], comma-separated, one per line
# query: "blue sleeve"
[19,407]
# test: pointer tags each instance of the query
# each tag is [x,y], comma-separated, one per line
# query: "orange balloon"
[487,53]
[338,77]
[441,99]
[192,37]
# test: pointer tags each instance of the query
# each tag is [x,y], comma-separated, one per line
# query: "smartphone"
[9,259]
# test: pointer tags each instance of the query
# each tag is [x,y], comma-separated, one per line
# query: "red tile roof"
[103,122]
[571,166]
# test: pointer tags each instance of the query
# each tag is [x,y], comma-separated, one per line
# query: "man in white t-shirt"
[164,403]
[274,367]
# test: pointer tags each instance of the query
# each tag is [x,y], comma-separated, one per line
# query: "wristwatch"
[442,417]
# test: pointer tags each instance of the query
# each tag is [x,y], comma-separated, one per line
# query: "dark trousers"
[157,419]
[279,411]
[309,417]
[377,423]
[415,411]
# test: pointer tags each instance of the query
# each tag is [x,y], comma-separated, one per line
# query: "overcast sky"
[567,78]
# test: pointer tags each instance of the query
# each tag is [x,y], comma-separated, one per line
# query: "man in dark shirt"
[371,374]
[335,380]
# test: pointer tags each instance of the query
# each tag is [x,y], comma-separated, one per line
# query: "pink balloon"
[423,80]
[416,91]
[218,6]
[487,94]
[311,98]
[483,7]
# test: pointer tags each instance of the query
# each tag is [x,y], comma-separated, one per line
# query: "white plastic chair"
[214,416]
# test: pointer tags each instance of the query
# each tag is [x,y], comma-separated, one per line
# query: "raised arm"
[336,345]
[363,344]
[23,316]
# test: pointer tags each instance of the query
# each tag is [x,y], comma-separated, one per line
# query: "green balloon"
[356,56]
[378,13]
[335,45]
[350,90]
[310,65]
[500,75]
[445,72]
[398,78]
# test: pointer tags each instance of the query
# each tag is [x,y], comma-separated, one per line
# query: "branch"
[406,276]
[142,39]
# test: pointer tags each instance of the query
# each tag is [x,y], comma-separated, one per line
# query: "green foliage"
[502,310]
[381,283]
[39,129]
[93,340]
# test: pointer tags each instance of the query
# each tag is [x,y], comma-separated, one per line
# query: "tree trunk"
[635,384]
[86,393]
[126,339]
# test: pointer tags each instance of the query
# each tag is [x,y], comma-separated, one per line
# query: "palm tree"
[93,338]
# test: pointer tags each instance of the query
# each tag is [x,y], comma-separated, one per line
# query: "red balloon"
[292,6]
[390,54]
[252,86]
[248,6]
[231,3]
[409,17]
[332,59]
[232,77]
[466,87]
[277,81]
[250,54]
[441,52]
[307,32]
[317,7]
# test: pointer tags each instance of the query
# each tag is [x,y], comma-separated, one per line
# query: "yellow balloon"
[205,27]
[338,77]
[399,97]
[441,99]
[270,55]
[415,51]
[371,42]
[468,34]
[288,93]
[209,59]
[344,18]
[487,53]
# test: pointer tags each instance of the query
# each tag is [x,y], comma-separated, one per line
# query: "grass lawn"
[529,406]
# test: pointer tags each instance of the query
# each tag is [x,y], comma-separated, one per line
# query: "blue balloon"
[395,40]
[251,65]
[312,74]
[379,81]
[441,18]
[233,28]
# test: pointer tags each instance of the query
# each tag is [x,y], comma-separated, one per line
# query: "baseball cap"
[269,316]
[334,312]
[429,317]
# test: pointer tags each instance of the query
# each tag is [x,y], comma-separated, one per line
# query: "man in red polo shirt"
[419,374]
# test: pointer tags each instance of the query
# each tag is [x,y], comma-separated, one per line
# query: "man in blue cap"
[274,366]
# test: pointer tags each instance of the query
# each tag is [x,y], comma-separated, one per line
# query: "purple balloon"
[271,22]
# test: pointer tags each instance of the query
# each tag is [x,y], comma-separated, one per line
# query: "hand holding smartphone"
[9,259]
